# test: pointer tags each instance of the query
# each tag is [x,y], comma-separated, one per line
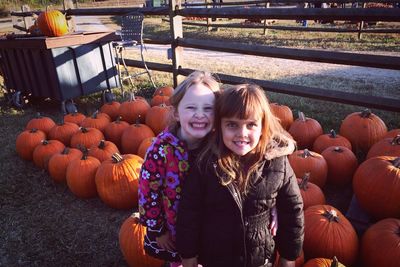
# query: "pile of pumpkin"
[85,152]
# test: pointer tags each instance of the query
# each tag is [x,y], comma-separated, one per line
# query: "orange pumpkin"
[41,123]
[342,163]
[134,109]
[385,147]
[98,120]
[327,233]
[376,184]
[114,130]
[158,118]
[311,193]
[323,262]
[27,141]
[144,145]
[133,136]
[283,113]
[305,161]
[63,132]
[160,100]
[86,137]
[52,23]
[111,109]
[58,163]
[392,133]
[380,244]
[331,139]
[165,90]
[131,240]
[81,174]
[298,262]
[117,181]
[305,131]
[43,152]
[103,151]
[363,129]
[75,117]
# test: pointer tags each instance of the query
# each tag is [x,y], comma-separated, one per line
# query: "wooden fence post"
[176,32]
[28,21]
[69,4]
[266,20]
[208,18]
[361,24]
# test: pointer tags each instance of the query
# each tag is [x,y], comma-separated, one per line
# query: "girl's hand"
[165,242]
[286,263]
[273,227]
[191,262]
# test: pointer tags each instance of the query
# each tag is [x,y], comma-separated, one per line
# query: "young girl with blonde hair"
[241,174]
[168,159]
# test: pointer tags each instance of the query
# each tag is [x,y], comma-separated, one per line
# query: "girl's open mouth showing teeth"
[199,125]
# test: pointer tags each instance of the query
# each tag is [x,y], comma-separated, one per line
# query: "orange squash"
[27,141]
[52,23]
[305,131]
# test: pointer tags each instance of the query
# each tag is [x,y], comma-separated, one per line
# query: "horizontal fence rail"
[288,2]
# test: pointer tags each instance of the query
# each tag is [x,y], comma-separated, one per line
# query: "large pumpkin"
[363,129]
[103,150]
[380,244]
[134,110]
[43,152]
[327,233]
[114,130]
[376,184]
[63,132]
[311,193]
[133,135]
[86,137]
[385,147]
[58,163]
[41,123]
[158,117]
[117,181]
[98,120]
[131,238]
[52,23]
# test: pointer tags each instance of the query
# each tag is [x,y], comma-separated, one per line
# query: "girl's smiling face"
[195,113]
[241,135]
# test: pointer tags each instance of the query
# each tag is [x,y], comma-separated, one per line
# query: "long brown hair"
[243,101]
[196,77]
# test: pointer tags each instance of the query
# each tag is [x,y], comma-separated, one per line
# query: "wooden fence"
[175,12]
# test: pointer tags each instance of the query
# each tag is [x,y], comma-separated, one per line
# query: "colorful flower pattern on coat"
[160,182]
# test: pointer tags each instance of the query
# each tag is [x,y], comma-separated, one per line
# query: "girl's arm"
[289,204]
[151,177]
[190,216]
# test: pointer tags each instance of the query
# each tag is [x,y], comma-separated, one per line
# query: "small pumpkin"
[323,262]
[114,130]
[41,123]
[363,129]
[117,181]
[283,113]
[63,132]
[98,120]
[58,163]
[133,109]
[392,133]
[144,145]
[385,147]
[81,175]
[342,163]
[158,118]
[331,139]
[164,90]
[311,193]
[305,161]
[133,136]
[52,23]
[75,117]
[86,137]
[111,109]
[27,141]
[160,99]
[131,241]
[103,151]
[305,131]
[43,152]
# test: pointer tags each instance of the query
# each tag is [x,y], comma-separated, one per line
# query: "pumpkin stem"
[304,182]
[366,113]
[306,153]
[396,162]
[396,140]
[338,149]
[132,97]
[33,130]
[65,151]
[85,153]
[301,116]
[94,115]
[102,144]
[45,142]
[118,119]
[333,134]
[331,215]
[137,122]
[116,157]
[38,115]
[335,262]
[83,129]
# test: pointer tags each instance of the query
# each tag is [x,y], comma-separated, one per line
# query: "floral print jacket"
[160,183]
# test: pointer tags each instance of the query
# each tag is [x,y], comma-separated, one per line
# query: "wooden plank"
[365,60]
[150,65]
[176,32]
[367,101]
[358,14]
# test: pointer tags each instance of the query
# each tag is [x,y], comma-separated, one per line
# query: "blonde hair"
[243,101]
[196,77]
